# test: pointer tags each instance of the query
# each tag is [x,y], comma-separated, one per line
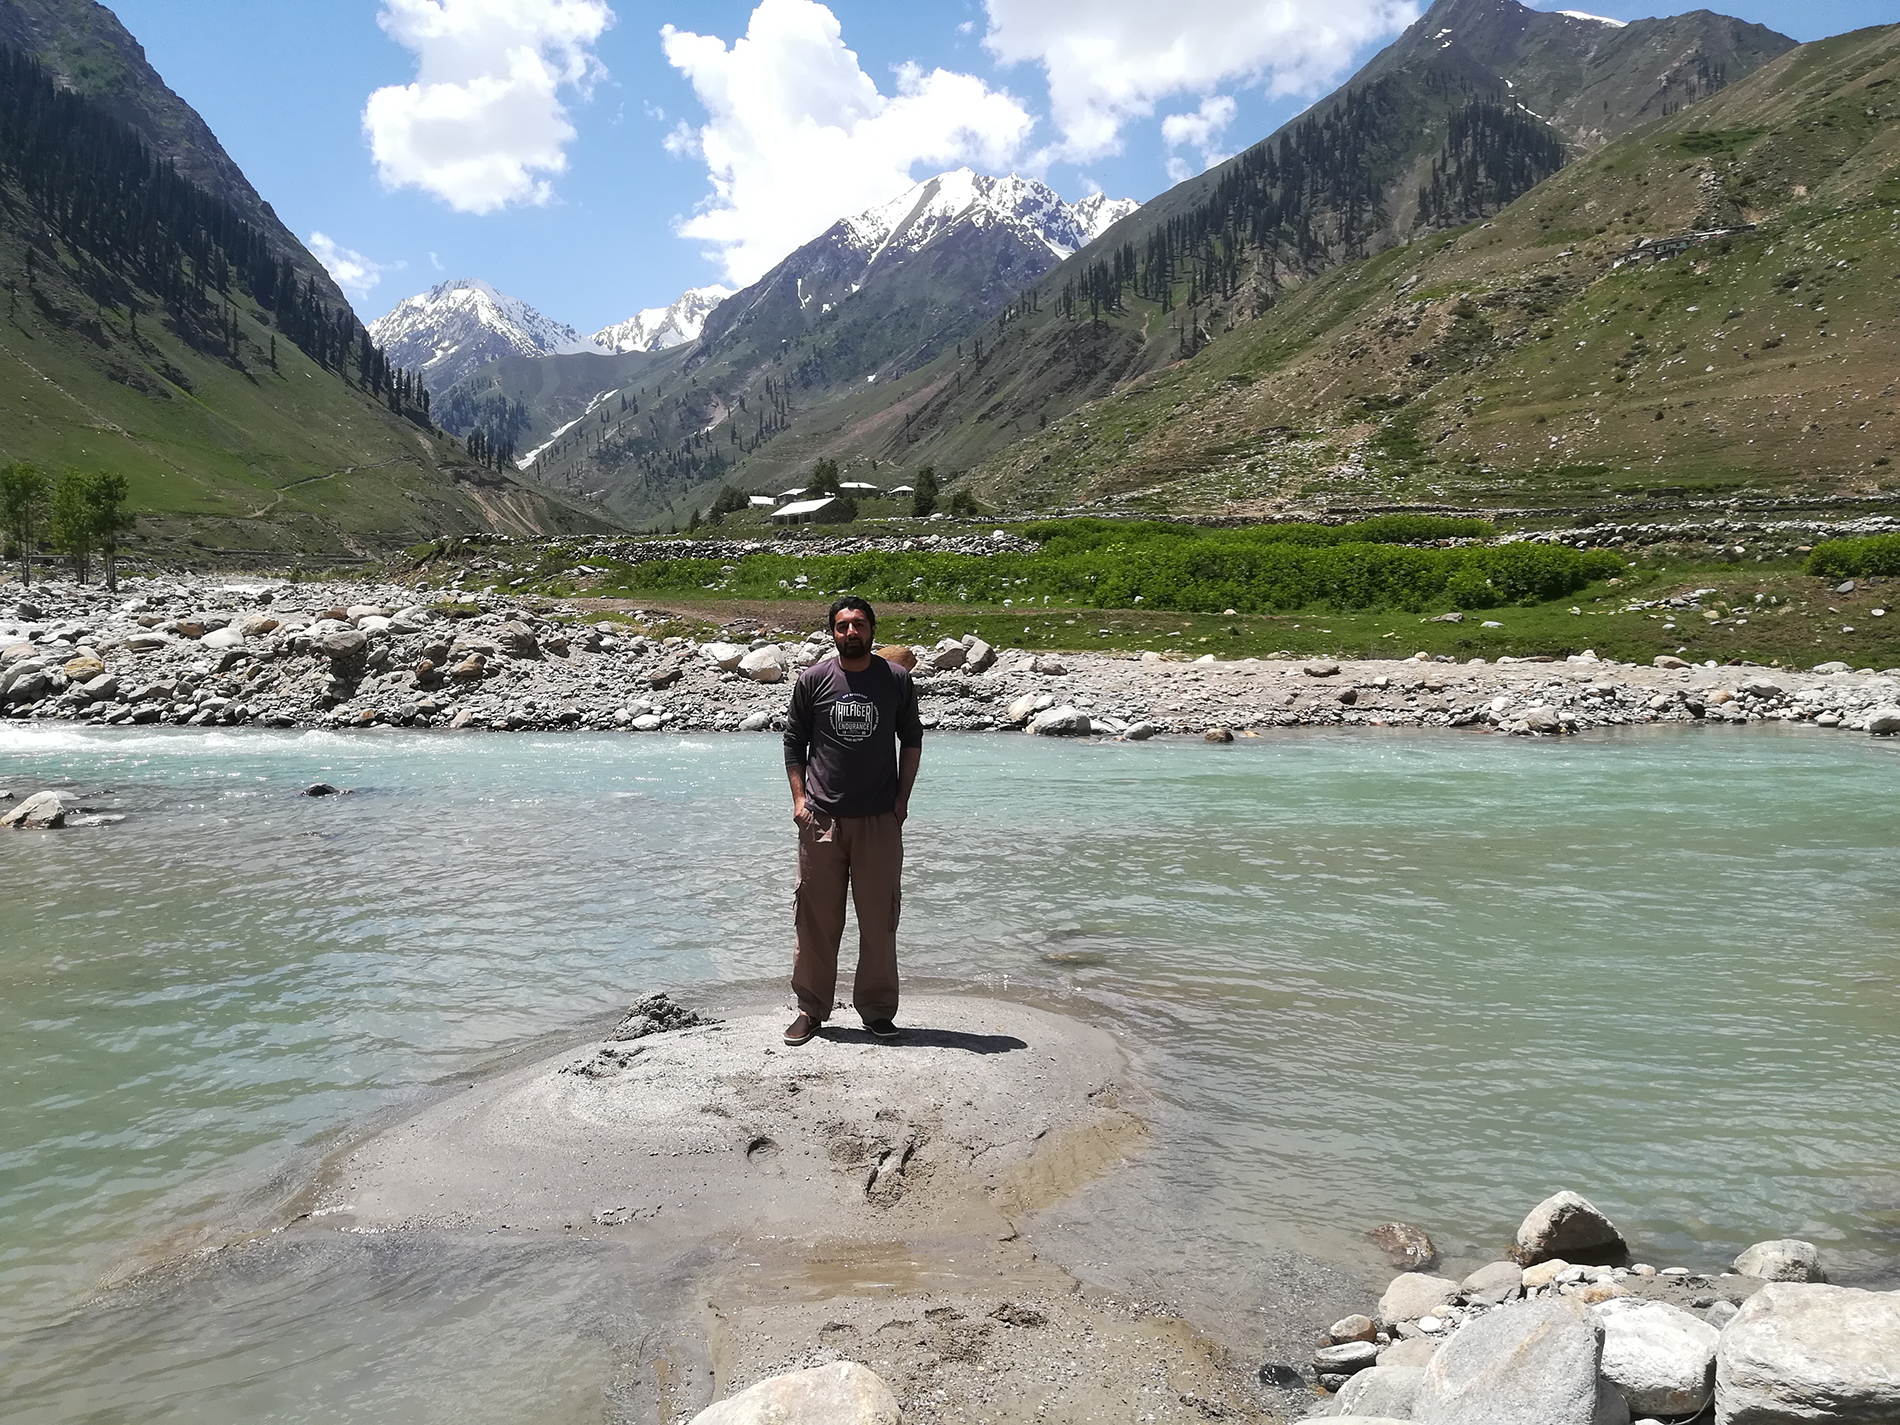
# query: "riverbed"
[1365,975]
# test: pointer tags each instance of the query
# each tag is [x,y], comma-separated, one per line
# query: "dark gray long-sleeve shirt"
[844,730]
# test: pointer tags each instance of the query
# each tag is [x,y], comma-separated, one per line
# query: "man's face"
[851,632]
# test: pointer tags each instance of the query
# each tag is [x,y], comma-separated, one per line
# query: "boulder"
[83,668]
[1661,1357]
[257,625]
[1142,731]
[1416,1352]
[762,665]
[897,655]
[15,652]
[979,656]
[1065,721]
[723,655]
[646,722]
[226,637]
[1544,1273]
[43,811]
[517,640]
[1787,1260]
[1407,1247]
[1217,734]
[1494,1285]
[1566,1225]
[1388,1391]
[1022,708]
[1669,660]
[322,789]
[103,689]
[949,653]
[1346,1358]
[147,642]
[1808,1352]
[1415,1294]
[756,722]
[1534,1363]
[665,676]
[355,613]
[1320,669]
[470,669]
[1883,721]
[1543,720]
[343,646]
[1048,663]
[842,1393]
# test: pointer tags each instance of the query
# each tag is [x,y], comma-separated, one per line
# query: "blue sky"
[557,148]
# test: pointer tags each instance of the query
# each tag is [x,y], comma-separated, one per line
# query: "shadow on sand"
[914,1038]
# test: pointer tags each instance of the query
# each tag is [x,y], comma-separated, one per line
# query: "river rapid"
[1366,975]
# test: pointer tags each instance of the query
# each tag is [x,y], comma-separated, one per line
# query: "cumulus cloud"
[485,124]
[1113,60]
[1201,130]
[798,135]
[356,274]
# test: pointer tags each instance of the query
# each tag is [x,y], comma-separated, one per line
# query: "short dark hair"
[849,601]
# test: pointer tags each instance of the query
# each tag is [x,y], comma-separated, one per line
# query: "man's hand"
[802,816]
[901,810]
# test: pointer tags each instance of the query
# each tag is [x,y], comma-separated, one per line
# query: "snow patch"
[1599,19]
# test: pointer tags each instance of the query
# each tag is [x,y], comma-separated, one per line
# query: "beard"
[852,645]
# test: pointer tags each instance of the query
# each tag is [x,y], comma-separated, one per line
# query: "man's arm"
[797,746]
[907,760]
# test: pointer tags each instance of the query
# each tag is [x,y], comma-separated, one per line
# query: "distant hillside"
[1546,358]
[152,330]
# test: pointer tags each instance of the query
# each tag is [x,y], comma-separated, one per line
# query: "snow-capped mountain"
[457,326]
[962,197]
[658,328]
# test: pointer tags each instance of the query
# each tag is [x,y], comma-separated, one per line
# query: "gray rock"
[842,1393]
[1142,731]
[1217,734]
[1883,721]
[1416,1352]
[1049,664]
[1493,1285]
[1720,1313]
[1405,1246]
[646,722]
[762,665]
[949,653]
[1787,1260]
[1415,1294]
[1346,1358]
[1661,1357]
[665,676]
[1534,1363]
[226,637]
[1353,1328]
[517,640]
[43,811]
[1382,1391]
[1543,720]
[321,789]
[1566,1225]
[1807,1352]
[1065,721]
[1669,660]
[1320,669]
[343,646]
[756,722]
[980,657]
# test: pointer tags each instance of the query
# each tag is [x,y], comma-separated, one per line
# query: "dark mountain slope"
[85,49]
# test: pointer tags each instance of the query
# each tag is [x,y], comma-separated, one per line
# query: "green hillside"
[1530,361]
[149,329]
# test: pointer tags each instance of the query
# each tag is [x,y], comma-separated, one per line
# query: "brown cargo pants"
[866,852]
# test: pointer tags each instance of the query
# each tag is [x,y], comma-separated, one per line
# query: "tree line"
[147,228]
[81,514]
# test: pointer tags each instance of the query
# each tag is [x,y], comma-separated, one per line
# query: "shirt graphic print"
[854,717]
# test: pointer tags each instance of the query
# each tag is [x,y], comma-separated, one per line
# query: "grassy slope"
[230,456]
[1514,363]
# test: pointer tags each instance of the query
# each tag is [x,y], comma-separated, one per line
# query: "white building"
[858,487]
[804,511]
[760,501]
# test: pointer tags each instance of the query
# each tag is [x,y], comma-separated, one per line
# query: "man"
[852,745]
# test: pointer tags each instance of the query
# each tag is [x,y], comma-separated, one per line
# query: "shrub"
[1876,554]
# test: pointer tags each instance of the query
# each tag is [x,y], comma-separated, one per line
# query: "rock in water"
[1884,721]
[1217,734]
[1530,1364]
[1405,1246]
[842,1393]
[1799,1353]
[1415,1294]
[1788,1260]
[1661,1357]
[1065,721]
[1566,1225]
[321,789]
[43,811]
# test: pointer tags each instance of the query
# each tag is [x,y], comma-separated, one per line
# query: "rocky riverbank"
[204,652]
[1538,1337]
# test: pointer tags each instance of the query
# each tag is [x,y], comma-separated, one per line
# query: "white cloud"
[484,125]
[1112,60]
[798,135]
[1199,130]
[356,274]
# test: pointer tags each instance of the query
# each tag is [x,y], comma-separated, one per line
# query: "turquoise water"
[1368,975]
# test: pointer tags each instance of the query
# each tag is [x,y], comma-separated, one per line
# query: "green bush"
[1877,554]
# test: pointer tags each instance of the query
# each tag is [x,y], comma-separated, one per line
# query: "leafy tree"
[22,502]
[924,503]
[963,504]
[825,477]
[70,522]
[111,520]
[845,511]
